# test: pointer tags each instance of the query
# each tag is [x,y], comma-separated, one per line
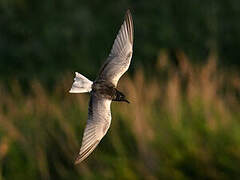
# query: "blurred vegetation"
[183,126]
[45,39]
[183,121]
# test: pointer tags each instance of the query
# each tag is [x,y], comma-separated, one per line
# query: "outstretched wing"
[119,59]
[99,119]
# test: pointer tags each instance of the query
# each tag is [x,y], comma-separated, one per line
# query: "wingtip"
[76,162]
[128,13]
[78,159]
[83,155]
[129,22]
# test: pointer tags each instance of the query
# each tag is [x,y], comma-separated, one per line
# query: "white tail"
[81,84]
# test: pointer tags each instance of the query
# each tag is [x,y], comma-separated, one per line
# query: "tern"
[104,89]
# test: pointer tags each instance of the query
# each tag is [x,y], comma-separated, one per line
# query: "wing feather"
[99,119]
[120,56]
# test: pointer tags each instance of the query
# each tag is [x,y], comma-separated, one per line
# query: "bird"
[103,90]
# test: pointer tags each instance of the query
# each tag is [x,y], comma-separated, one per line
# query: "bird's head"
[120,97]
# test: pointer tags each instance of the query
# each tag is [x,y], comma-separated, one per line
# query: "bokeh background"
[183,83]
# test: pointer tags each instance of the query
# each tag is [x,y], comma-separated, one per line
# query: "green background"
[183,121]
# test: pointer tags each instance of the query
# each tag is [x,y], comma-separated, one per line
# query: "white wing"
[120,57]
[99,119]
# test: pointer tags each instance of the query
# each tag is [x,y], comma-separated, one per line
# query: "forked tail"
[81,84]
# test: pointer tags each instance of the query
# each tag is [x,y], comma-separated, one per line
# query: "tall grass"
[182,124]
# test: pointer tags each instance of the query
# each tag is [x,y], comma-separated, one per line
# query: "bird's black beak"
[125,100]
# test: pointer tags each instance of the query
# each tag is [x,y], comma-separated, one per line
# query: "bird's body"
[103,90]
[107,90]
